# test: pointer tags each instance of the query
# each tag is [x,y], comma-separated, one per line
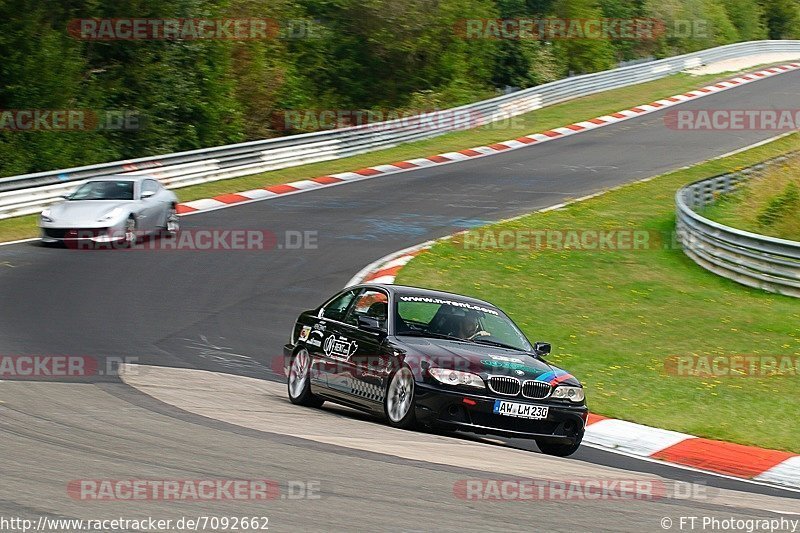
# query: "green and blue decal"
[510,366]
[553,377]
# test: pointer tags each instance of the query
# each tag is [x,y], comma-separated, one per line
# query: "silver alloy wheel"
[173,226]
[298,373]
[400,395]
[130,232]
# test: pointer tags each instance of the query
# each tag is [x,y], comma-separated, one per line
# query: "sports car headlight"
[456,377]
[573,394]
[46,217]
[110,215]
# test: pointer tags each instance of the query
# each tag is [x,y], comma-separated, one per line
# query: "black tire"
[299,386]
[399,402]
[559,449]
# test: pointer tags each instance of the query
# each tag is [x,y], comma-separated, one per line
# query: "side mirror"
[541,348]
[147,194]
[371,324]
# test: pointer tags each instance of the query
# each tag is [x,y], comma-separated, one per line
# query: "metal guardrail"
[754,260]
[29,193]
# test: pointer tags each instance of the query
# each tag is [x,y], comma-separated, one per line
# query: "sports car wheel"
[299,382]
[558,449]
[399,403]
[129,238]
[173,225]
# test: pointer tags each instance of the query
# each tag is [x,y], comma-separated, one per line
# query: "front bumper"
[51,234]
[447,408]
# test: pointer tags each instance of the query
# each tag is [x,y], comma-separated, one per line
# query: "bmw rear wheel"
[299,381]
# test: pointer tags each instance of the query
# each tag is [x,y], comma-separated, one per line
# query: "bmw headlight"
[111,215]
[573,394]
[456,377]
[46,216]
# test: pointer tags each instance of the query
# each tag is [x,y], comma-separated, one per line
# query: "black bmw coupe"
[421,357]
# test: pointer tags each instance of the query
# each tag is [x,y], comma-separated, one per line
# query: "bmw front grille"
[505,385]
[535,390]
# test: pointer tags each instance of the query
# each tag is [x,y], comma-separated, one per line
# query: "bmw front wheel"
[399,403]
[559,449]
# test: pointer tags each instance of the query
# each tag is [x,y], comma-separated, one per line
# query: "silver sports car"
[111,209]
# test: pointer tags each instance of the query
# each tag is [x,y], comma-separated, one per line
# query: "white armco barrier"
[748,258]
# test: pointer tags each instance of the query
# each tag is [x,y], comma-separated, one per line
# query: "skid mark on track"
[221,355]
[409,224]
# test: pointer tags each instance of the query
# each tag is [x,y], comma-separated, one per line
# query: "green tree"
[748,18]
[782,19]
[524,62]
[43,68]
[378,52]
[581,55]
[691,25]
[626,49]
[362,54]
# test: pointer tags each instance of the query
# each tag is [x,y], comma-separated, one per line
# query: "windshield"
[458,320]
[104,190]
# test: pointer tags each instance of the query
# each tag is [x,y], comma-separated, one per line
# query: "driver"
[469,326]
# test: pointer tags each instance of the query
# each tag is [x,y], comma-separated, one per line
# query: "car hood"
[82,211]
[483,359]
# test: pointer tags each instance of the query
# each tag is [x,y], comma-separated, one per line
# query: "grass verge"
[615,317]
[768,204]
[539,120]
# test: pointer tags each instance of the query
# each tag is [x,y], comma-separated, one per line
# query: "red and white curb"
[724,458]
[295,187]
[636,440]
[385,269]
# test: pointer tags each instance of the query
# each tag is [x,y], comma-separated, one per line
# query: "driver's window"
[337,308]
[371,303]
[502,331]
[149,186]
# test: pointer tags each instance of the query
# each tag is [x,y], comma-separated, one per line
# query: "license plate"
[520,410]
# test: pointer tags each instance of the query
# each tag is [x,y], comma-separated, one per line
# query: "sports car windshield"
[425,316]
[104,190]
